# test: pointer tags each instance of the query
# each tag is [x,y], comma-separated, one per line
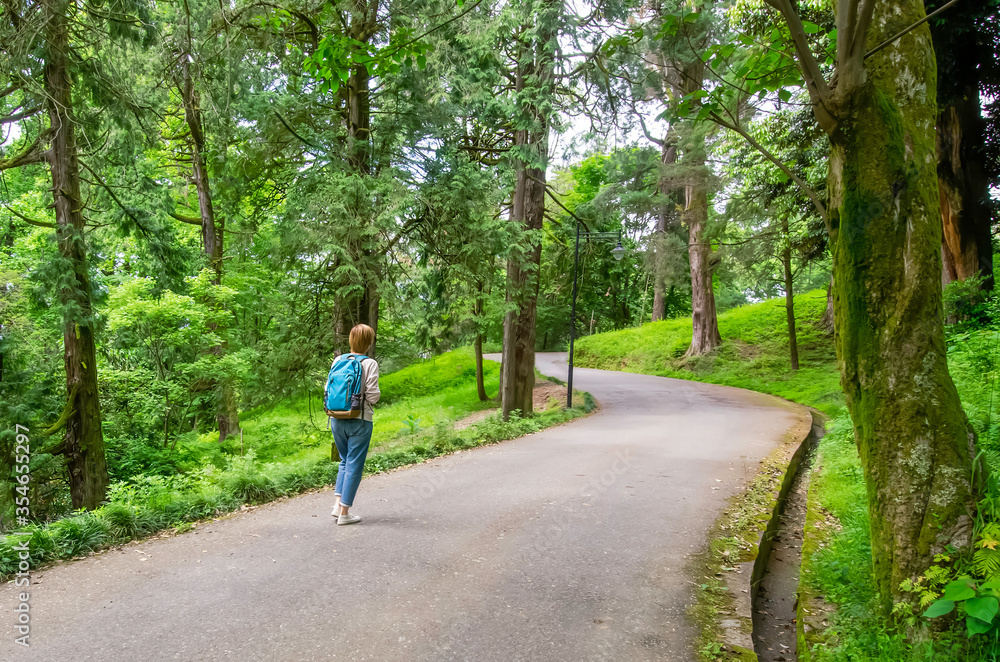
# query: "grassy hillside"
[439,389]
[754,354]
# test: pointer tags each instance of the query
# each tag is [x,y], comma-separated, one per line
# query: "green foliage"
[977,601]
[412,424]
[966,304]
[247,481]
[986,559]
[78,535]
[337,55]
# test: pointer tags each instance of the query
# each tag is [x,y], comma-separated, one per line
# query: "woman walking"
[352,435]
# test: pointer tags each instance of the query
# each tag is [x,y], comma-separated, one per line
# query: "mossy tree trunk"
[916,446]
[535,88]
[704,321]
[83,444]
[786,263]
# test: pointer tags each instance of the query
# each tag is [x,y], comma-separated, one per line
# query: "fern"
[986,559]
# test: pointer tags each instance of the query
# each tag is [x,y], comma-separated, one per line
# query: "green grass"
[439,389]
[754,354]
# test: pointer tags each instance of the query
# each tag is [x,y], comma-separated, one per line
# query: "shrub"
[493,428]
[122,522]
[246,482]
[966,303]
[78,534]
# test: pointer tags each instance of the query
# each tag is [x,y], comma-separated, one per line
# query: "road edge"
[728,571]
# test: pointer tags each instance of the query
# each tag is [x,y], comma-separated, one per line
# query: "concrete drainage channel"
[775,580]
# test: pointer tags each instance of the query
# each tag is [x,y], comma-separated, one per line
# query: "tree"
[774,231]
[917,449]
[682,72]
[186,58]
[534,87]
[46,80]
[664,218]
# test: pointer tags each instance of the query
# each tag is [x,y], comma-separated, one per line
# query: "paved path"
[567,545]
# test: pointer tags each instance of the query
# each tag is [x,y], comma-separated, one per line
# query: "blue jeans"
[352,436]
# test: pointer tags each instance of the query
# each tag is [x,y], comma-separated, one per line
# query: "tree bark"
[480,379]
[704,321]
[826,322]
[966,247]
[480,382]
[84,440]
[518,364]
[535,70]
[786,262]
[917,449]
[360,307]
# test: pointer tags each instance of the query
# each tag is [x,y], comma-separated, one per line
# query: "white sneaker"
[336,506]
[348,519]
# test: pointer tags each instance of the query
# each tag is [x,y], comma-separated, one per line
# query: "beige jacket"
[369,374]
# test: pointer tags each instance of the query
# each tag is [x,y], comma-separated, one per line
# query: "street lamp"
[618,252]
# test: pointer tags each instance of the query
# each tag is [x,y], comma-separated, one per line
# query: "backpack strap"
[364,382]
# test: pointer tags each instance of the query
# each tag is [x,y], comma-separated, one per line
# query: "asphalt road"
[569,544]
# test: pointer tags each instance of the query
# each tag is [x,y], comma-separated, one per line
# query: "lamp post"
[618,252]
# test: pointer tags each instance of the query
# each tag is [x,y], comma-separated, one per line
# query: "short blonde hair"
[361,338]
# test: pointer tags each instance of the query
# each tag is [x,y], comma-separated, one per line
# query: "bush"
[79,534]
[246,482]
[966,303]
[122,522]
[493,428]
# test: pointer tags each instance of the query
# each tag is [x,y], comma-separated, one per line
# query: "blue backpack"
[344,396]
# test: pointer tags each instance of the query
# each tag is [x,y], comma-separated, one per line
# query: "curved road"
[569,544]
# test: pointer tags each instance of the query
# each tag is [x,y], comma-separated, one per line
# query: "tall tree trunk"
[478,312]
[704,321]
[480,381]
[374,301]
[518,364]
[966,248]
[212,236]
[535,72]
[915,443]
[786,262]
[362,305]
[665,189]
[84,441]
